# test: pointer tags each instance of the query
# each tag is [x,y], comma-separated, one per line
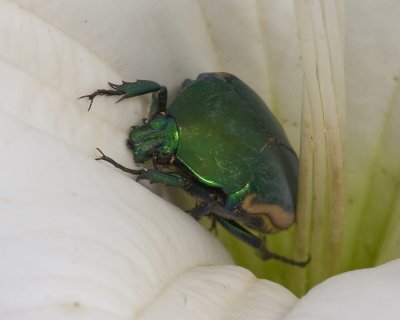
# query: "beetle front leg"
[100,92]
[133,89]
[158,102]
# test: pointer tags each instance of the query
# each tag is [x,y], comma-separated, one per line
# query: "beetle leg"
[103,157]
[100,92]
[133,89]
[239,232]
[152,175]
[259,244]
[200,193]
[265,254]
[165,178]
[210,205]
[201,210]
[227,214]
[158,102]
[213,226]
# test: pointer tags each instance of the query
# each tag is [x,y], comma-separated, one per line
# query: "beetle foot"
[101,92]
[106,158]
[265,254]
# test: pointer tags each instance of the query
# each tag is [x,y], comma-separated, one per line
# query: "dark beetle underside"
[220,143]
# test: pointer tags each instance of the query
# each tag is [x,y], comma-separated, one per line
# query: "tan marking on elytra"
[274,216]
[224,74]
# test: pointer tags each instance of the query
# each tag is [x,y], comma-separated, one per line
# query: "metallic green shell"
[228,138]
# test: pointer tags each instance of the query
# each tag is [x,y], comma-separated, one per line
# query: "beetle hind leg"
[265,254]
[257,243]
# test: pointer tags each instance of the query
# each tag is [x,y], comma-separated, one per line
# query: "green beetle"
[220,143]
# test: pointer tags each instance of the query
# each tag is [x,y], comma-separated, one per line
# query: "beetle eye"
[164,157]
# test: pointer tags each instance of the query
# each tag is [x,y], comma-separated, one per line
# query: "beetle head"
[156,139]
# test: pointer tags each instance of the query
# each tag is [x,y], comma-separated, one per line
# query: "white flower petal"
[44,72]
[81,241]
[362,294]
[44,69]
[372,161]
[170,41]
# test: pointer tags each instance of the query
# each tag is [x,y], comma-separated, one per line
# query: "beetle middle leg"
[105,158]
[170,179]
